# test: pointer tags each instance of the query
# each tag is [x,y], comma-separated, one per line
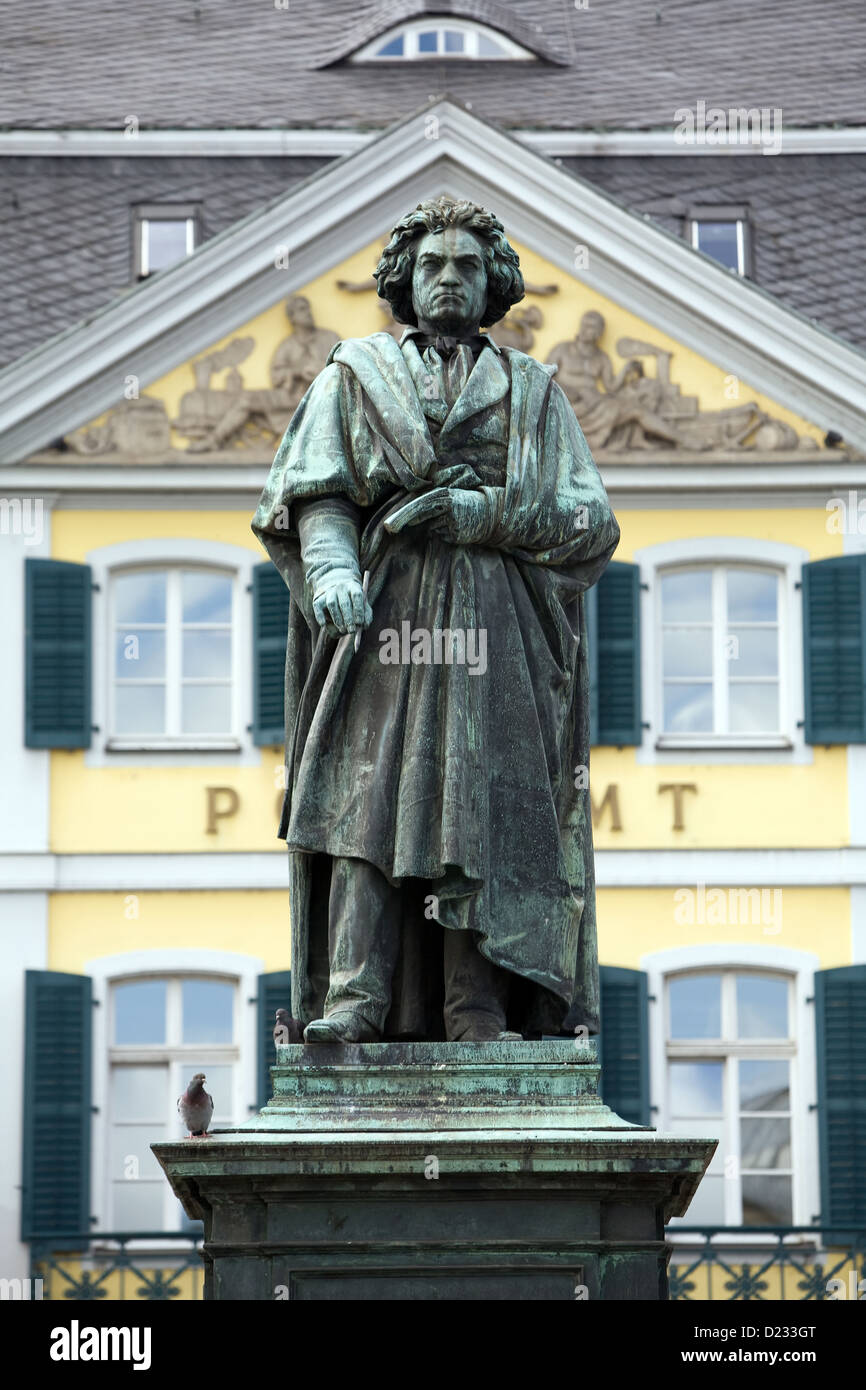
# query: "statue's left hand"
[459,515]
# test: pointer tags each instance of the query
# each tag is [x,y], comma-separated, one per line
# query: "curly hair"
[394,271]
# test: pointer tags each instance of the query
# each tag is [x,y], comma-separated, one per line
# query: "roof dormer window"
[439,39]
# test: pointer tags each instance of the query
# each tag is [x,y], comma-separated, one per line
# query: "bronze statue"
[436,514]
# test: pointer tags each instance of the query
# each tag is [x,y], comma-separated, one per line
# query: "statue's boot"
[345,1027]
[364,942]
[476,992]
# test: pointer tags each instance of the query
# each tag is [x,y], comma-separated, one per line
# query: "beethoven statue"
[436,514]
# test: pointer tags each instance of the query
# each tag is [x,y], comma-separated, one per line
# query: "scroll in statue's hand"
[340,604]
[460,516]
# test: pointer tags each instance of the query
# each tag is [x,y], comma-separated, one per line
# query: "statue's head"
[591,327]
[448,267]
[298,311]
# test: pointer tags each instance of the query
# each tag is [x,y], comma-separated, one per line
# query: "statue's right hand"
[339,603]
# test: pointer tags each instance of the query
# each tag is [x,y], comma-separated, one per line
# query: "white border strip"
[638,868]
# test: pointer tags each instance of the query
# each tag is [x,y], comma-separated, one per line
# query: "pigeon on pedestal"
[195,1107]
[287,1029]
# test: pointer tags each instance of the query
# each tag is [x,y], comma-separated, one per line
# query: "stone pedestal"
[436,1171]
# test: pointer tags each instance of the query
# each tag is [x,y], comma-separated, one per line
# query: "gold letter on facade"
[678,788]
[214,811]
[610,798]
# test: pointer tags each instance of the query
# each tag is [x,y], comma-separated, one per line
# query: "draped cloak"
[468,789]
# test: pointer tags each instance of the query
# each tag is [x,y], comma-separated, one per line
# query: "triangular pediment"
[698,362]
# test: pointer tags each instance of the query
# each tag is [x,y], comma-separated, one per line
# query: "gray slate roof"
[245,63]
[66,228]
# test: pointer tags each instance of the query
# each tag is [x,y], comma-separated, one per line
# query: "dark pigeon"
[195,1107]
[287,1029]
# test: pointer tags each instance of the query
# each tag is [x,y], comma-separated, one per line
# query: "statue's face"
[299,313]
[590,330]
[449,282]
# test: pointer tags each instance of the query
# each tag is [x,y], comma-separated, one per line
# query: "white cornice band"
[812,479]
[345,206]
[332,144]
[639,868]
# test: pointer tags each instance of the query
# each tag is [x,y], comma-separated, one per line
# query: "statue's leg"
[476,991]
[363,942]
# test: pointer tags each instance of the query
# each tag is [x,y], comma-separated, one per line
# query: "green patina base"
[436,1171]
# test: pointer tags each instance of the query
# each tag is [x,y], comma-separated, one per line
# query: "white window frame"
[800,968]
[409,32]
[788,746]
[719,683]
[174,553]
[157,213]
[695,225]
[107,971]
[173,679]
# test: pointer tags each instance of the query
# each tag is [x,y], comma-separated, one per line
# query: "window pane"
[139,1014]
[453,41]
[765,1143]
[166,243]
[688,651]
[206,709]
[719,240]
[427,41]
[762,1007]
[139,598]
[753,707]
[138,1206]
[688,709]
[696,1006]
[686,597]
[218,1083]
[766,1201]
[207,1011]
[392,49]
[752,597]
[139,1093]
[764,1085]
[139,709]
[695,1088]
[755,651]
[489,48]
[207,598]
[139,654]
[130,1158]
[207,652]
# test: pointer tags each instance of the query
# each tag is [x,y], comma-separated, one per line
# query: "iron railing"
[746,1263]
[118,1265]
[751,1263]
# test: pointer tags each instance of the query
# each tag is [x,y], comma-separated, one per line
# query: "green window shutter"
[840,1008]
[834,649]
[624,1042]
[613,624]
[590,609]
[57,660]
[275,992]
[270,633]
[57,1114]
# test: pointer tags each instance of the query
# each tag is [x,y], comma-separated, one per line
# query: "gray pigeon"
[195,1107]
[287,1029]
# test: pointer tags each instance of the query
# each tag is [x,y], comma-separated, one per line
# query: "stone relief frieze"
[633,407]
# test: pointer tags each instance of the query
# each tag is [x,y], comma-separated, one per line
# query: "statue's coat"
[427,771]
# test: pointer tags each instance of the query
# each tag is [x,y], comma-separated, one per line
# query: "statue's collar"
[476,341]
